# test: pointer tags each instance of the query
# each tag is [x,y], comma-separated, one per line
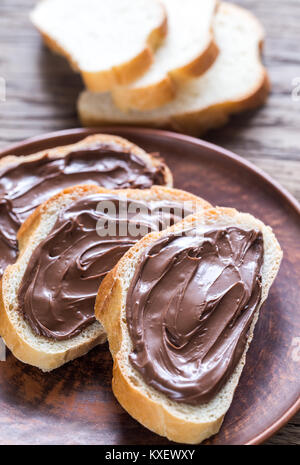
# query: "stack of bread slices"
[183,65]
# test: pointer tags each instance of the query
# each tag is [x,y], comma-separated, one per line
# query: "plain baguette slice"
[187,52]
[109,42]
[237,81]
[178,422]
[107,140]
[25,344]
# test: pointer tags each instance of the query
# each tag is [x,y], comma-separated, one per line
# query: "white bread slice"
[42,352]
[188,51]
[109,42]
[236,81]
[113,142]
[178,422]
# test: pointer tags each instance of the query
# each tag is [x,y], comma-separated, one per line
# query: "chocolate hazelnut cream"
[189,309]
[26,185]
[58,290]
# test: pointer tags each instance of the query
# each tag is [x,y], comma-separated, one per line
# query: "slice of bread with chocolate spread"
[179,310]
[66,247]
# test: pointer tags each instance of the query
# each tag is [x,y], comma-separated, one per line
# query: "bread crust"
[15,340]
[163,91]
[109,310]
[122,74]
[145,98]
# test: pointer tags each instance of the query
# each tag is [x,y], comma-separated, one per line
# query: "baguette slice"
[42,352]
[109,42]
[178,422]
[188,51]
[107,140]
[237,81]
[14,190]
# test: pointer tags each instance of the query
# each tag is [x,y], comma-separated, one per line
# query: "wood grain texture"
[41,92]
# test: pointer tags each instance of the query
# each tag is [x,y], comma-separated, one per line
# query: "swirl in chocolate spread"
[26,185]
[189,309]
[58,290]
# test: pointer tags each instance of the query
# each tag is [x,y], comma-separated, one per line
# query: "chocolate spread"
[58,290]
[189,308]
[26,185]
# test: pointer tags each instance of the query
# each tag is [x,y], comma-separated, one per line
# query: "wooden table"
[41,92]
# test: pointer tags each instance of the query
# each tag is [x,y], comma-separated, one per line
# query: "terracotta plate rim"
[293,409]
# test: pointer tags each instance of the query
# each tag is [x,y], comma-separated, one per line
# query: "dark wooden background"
[41,92]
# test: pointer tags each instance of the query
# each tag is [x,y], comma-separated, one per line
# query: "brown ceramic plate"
[75,405]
